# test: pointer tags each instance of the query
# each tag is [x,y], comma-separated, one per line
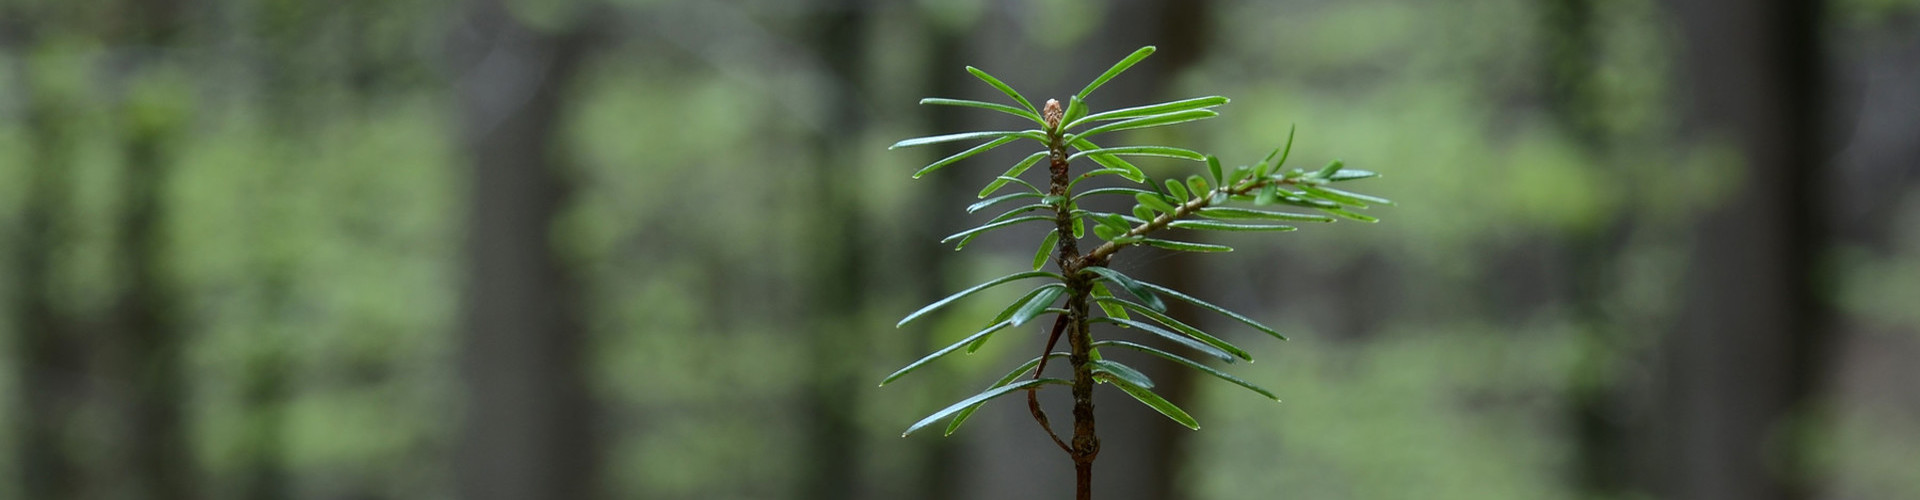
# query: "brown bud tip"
[1052,113]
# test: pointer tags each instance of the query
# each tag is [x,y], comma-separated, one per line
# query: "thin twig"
[1033,397]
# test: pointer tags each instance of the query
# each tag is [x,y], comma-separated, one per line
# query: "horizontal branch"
[1199,201]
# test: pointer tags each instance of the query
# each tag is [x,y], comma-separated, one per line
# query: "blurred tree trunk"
[293,90]
[941,472]
[264,394]
[145,366]
[148,362]
[1604,438]
[1749,358]
[838,342]
[50,358]
[1142,452]
[529,430]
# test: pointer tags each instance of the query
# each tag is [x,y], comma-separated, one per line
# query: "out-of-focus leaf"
[963,155]
[1094,173]
[1123,372]
[1177,189]
[1289,198]
[1015,211]
[1112,310]
[989,227]
[1016,180]
[1036,305]
[1046,248]
[1128,171]
[1156,402]
[1231,213]
[1183,328]
[1350,215]
[1161,151]
[1219,176]
[1013,174]
[1154,201]
[1316,192]
[1173,118]
[1012,308]
[941,101]
[1114,71]
[1210,307]
[1076,108]
[1152,109]
[1350,198]
[1017,372]
[1079,225]
[963,136]
[976,289]
[1208,225]
[1198,185]
[944,351]
[1008,312]
[1240,173]
[1143,212]
[1331,168]
[1107,233]
[1347,174]
[1003,88]
[1186,246]
[1189,342]
[1191,364]
[997,199]
[982,397]
[1129,284]
[1271,164]
[1110,190]
[1268,194]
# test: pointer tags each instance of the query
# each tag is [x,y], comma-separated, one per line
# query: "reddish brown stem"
[1033,395]
[1086,443]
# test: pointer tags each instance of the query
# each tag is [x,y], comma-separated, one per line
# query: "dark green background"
[1643,249]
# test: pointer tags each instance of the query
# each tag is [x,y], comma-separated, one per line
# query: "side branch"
[1101,253]
[1033,397]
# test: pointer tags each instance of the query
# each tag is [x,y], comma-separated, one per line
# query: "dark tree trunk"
[149,357]
[1603,437]
[264,395]
[941,475]
[838,283]
[144,366]
[50,359]
[529,430]
[1750,354]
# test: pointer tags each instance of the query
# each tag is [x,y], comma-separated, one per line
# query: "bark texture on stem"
[1085,445]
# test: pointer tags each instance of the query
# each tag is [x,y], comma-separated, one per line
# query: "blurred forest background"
[419,249]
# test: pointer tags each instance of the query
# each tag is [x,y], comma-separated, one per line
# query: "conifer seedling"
[1264,196]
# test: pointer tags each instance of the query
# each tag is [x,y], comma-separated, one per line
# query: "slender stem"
[1085,444]
[1033,396]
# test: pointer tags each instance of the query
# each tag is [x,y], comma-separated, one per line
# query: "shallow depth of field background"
[431,249]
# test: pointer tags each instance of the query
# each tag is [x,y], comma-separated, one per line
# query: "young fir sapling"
[1084,280]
